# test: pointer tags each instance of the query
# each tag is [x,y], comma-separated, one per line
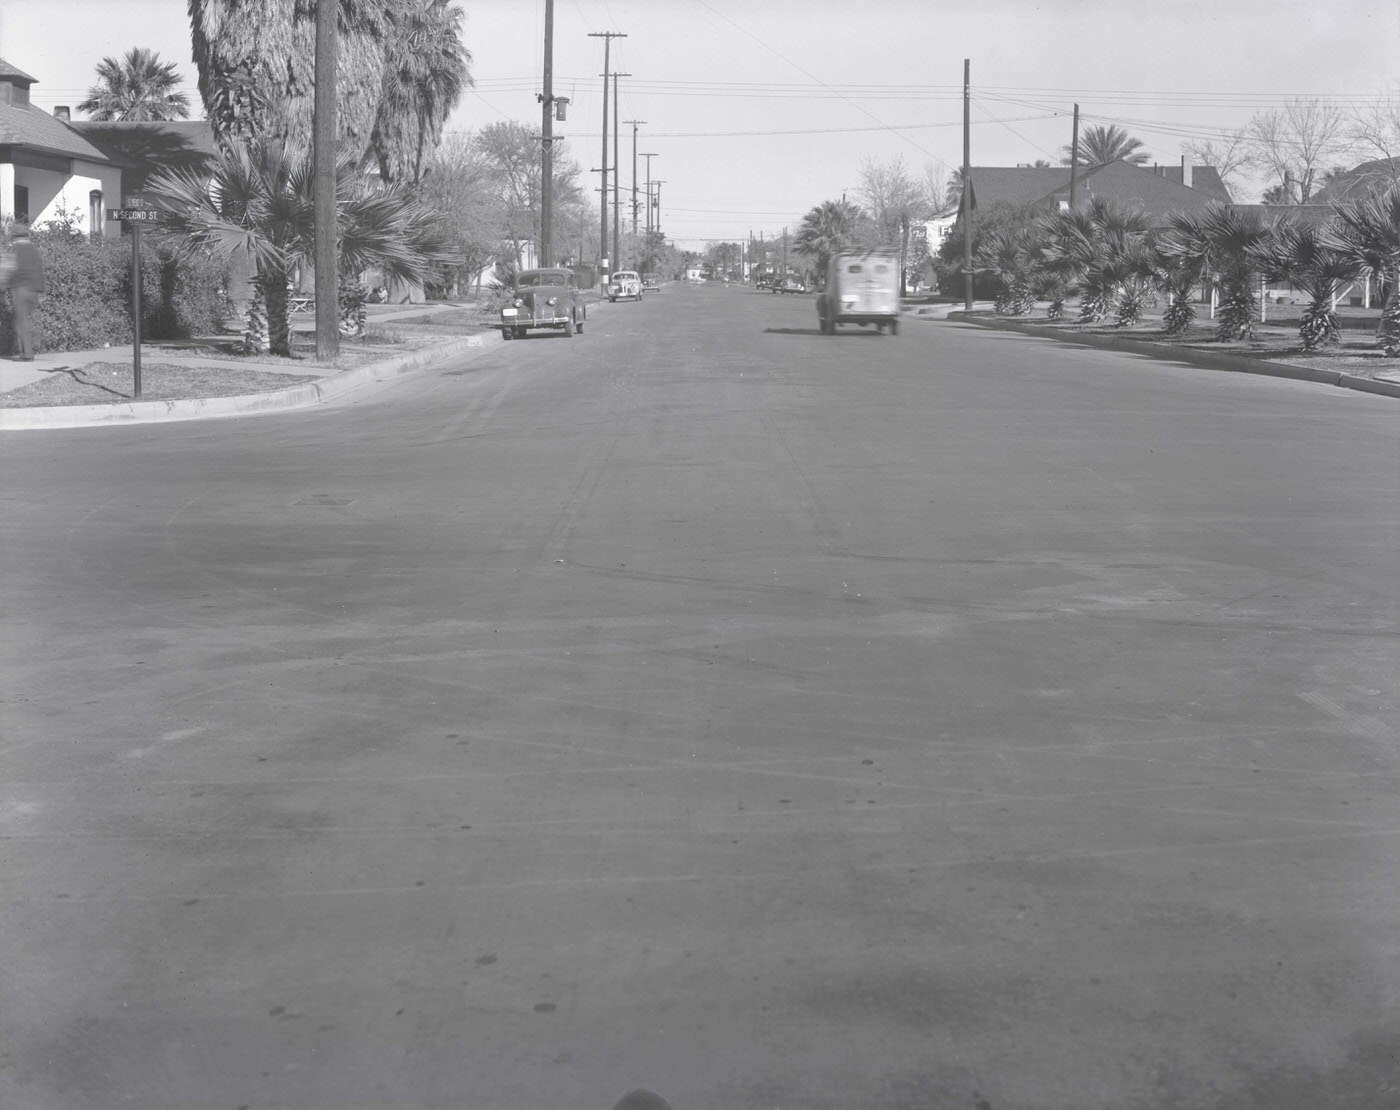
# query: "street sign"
[139,215]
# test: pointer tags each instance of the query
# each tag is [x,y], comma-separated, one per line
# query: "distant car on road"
[625,283]
[791,283]
[543,299]
[862,287]
[650,282]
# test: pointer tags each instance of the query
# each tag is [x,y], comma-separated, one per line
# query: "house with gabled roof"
[1360,181]
[47,167]
[1154,191]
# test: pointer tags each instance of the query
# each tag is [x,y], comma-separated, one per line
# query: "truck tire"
[569,325]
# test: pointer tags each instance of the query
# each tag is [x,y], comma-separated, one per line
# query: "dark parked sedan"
[543,299]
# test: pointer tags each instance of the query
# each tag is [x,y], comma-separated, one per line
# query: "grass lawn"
[111,383]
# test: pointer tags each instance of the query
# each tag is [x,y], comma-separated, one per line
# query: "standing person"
[26,283]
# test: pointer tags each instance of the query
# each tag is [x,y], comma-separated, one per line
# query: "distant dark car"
[543,299]
[790,284]
[650,282]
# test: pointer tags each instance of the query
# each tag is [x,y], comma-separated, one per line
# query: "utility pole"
[648,155]
[617,173]
[1074,162]
[634,123]
[547,135]
[967,184]
[658,185]
[323,184]
[607,37]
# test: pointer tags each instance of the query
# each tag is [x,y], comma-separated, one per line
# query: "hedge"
[87,301]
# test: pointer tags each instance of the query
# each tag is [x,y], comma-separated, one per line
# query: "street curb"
[248,404]
[1204,359]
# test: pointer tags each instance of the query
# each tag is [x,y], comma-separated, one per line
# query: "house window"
[22,203]
[95,213]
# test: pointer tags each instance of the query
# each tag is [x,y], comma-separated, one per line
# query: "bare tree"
[1296,143]
[1376,130]
[1229,156]
[895,200]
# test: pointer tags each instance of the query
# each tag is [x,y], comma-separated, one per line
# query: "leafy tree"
[258,199]
[137,87]
[426,71]
[1368,230]
[985,221]
[512,154]
[1098,145]
[829,227]
[1301,255]
[457,186]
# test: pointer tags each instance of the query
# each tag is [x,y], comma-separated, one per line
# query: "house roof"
[1156,190]
[12,73]
[1312,214]
[1139,189]
[144,148]
[27,126]
[1361,181]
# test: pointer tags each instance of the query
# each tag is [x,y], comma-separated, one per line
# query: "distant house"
[1367,178]
[144,149]
[47,167]
[1154,191]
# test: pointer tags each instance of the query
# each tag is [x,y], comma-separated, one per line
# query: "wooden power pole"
[967,184]
[547,143]
[607,37]
[1074,161]
[323,184]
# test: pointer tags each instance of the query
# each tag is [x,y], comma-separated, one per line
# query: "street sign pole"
[136,307]
[134,218]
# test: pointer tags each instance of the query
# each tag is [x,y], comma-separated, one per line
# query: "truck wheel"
[894,327]
[519,333]
[507,333]
[569,325]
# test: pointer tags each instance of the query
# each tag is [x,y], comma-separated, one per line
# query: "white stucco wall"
[51,192]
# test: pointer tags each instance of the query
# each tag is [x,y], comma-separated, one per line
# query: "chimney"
[1186,171]
[61,112]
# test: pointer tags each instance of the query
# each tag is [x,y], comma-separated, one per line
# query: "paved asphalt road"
[950,720]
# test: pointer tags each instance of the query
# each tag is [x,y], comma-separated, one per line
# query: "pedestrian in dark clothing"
[26,280]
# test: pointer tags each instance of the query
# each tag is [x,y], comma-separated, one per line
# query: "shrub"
[87,298]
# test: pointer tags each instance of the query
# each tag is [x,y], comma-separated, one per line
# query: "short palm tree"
[1129,269]
[1006,254]
[139,86]
[1299,254]
[1234,241]
[1107,144]
[257,198]
[1368,230]
[1182,255]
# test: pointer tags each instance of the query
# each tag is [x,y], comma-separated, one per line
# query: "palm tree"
[425,74]
[826,229]
[1234,240]
[257,71]
[1106,144]
[1130,270]
[137,87]
[1301,255]
[1100,248]
[1368,229]
[257,198]
[1007,254]
[1182,255]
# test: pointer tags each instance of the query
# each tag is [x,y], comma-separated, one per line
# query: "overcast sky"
[759,109]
